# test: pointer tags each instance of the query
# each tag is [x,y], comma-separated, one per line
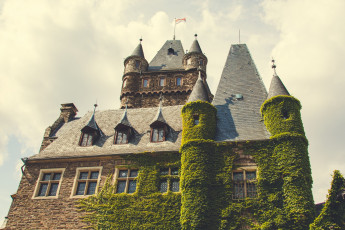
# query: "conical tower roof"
[138,51]
[195,47]
[277,88]
[199,91]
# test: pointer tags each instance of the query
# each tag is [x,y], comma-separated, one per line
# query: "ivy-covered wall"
[284,199]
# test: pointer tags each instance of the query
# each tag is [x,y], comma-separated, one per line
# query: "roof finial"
[95,105]
[274,67]
[141,39]
[196,36]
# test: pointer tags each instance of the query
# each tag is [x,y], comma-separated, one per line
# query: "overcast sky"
[61,51]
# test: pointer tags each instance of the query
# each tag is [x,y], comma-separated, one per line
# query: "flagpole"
[174,28]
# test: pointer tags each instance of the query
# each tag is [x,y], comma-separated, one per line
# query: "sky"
[62,51]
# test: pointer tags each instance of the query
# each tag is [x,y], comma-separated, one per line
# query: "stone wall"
[52,213]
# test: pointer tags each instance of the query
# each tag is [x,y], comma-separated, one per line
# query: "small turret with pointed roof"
[195,58]
[277,87]
[199,91]
[136,62]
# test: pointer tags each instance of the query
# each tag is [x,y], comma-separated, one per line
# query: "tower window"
[126,180]
[137,64]
[157,134]
[189,61]
[86,139]
[162,82]
[170,180]
[201,62]
[178,81]
[145,83]
[124,83]
[285,114]
[244,184]
[196,119]
[121,137]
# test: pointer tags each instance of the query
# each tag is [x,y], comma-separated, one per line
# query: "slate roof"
[165,61]
[195,47]
[277,88]
[138,51]
[239,118]
[66,145]
[199,91]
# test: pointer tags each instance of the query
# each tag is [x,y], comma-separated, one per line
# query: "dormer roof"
[158,119]
[277,88]
[124,121]
[92,125]
[199,91]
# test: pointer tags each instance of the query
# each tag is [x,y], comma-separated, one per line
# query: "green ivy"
[332,215]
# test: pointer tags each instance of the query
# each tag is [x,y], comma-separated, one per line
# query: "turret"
[136,62]
[199,126]
[195,58]
[282,117]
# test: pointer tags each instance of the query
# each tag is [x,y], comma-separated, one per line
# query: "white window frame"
[76,179]
[127,179]
[39,180]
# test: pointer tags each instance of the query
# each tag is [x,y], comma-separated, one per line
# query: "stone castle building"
[174,156]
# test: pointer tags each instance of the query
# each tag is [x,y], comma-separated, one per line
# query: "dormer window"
[86,139]
[171,51]
[137,64]
[121,137]
[158,134]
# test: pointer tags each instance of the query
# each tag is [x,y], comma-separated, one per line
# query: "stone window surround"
[127,179]
[181,83]
[244,169]
[164,81]
[39,179]
[170,178]
[148,82]
[124,84]
[76,179]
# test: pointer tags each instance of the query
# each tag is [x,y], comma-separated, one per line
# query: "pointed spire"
[124,119]
[92,123]
[199,91]
[195,46]
[277,87]
[159,116]
[139,50]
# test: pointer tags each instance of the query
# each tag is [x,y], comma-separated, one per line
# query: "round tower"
[134,65]
[195,58]
[282,117]
[197,150]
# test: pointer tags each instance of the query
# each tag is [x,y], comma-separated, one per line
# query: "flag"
[177,21]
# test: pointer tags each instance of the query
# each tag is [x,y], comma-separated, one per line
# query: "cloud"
[310,53]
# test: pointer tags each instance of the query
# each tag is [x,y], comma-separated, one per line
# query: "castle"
[175,156]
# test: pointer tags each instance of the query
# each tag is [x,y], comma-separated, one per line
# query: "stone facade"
[27,212]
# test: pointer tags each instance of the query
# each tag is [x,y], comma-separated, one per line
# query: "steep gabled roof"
[124,120]
[239,95]
[199,91]
[165,60]
[277,88]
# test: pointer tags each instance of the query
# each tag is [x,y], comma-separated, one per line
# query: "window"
[178,81]
[48,183]
[196,119]
[201,62]
[86,139]
[124,83]
[285,114]
[169,180]
[145,83]
[171,51]
[157,134]
[244,184]
[126,180]
[162,82]
[121,137]
[86,181]
[137,64]
[189,61]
